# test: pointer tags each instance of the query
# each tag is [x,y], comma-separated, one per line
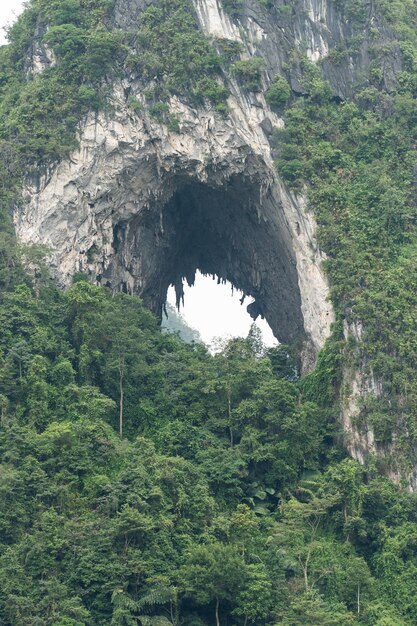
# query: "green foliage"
[357,162]
[321,385]
[354,10]
[40,112]
[230,50]
[278,93]
[217,502]
[144,481]
[159,110]
[249,72]
[232,7]
[170,50]
[174,124]
[214,91]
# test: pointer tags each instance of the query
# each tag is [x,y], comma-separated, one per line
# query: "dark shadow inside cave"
[235,231]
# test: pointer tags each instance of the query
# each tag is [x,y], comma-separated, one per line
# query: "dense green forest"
[225,500]
[147,482]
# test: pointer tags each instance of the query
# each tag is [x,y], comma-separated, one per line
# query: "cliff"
[139,206]
[144,480]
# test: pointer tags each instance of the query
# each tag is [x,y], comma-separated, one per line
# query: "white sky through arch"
[214,311]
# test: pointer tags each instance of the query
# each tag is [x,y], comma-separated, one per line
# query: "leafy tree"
[213,574]
[278,93]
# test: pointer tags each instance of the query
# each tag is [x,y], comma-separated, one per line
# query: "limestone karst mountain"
[271,143]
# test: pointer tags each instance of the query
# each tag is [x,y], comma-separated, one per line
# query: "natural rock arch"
[138,208]
[235,231]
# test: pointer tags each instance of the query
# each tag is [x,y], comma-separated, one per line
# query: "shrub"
[174,124]
[249,72]
[214,91]
[159,110]
[232,7]
[134,104]
[292,171]
[279,92]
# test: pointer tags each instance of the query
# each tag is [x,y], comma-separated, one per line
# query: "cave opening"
[235,230]
[214,311]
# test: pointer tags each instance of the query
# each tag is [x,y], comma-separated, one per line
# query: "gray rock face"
[323,30]
[42,57]
[138,208]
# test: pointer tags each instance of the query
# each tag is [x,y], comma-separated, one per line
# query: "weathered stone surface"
[313,28]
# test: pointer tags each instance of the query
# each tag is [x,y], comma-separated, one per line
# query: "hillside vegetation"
[224,499]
